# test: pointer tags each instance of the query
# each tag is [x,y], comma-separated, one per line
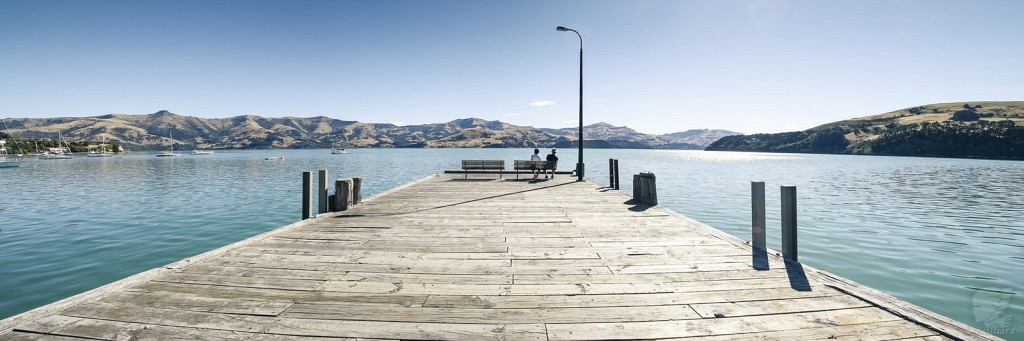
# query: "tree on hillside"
[965,116]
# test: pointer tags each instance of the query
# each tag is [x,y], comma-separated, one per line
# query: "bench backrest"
[529,164]
[483,164]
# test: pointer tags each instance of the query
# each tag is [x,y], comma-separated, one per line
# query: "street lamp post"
[579,164]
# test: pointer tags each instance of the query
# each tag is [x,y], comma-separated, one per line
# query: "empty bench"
[468,165]
[534,165]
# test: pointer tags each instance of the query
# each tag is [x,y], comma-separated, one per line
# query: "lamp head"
[561,29]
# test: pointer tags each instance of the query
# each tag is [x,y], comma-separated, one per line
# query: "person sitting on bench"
[535,157]
[551,159]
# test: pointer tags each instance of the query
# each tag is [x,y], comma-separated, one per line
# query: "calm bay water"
[946,234]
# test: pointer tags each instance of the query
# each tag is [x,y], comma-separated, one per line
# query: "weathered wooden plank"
[277,295]
[669,268]
[307,327]
[779,306]
[91,329]
[620,300]
[456,268]
[635,261]
[351,276]
[490,316]
[28,336]
[245,282]
[654,242]
[498,290]
[653,277]
[717,326]
[887,330]
[198,303]
[264,258]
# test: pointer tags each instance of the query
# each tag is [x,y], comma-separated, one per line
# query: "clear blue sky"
[655,66]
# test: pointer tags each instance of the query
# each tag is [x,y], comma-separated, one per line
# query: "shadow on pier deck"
[446,258]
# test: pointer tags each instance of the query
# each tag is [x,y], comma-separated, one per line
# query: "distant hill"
[964,129]
[154,131]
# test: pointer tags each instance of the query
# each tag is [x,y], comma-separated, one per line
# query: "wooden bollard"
[636,187]
[645,189]
[650,190]
[789,246]
[757,219]
[616,167]
[357,190]
[321,190]
[307,195]
[342,193]
[611,173]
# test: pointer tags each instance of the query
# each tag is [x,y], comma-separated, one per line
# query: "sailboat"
[5,160]
[37,153]
[103,149]
[59,153]
[169,152]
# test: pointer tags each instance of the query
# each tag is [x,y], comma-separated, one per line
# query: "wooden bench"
[468,165]
[534,165]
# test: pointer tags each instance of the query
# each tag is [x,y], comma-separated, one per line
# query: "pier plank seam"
[390,283]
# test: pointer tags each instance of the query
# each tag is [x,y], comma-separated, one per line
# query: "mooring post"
[611,173]
[616,173]
[757,219]
[357,190]
[342,193]
[636,187]
[307,195]
[650,188]
[321,191]
[789,246]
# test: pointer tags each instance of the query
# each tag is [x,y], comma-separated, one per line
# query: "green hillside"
[966,129]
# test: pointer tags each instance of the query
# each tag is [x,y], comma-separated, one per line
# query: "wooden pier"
[486,258]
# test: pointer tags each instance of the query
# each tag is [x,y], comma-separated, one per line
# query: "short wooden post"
[616,173]
[789,245]
[357,190]
[649,192]
[611,173]
[342,193]
[636,187]
[307,195]
[321,190]
[757,219]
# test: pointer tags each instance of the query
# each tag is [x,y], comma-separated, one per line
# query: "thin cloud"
[513,115]
[542,103]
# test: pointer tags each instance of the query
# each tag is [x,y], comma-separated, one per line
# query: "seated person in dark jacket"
[551,159]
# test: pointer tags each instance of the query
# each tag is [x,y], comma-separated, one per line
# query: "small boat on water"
[7,161]
[339,151]
[61,152]
[170,152]
[202,152]
[103,150]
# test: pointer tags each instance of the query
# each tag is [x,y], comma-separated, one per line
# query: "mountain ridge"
[154,131]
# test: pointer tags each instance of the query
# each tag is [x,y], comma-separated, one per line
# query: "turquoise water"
[930,231]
